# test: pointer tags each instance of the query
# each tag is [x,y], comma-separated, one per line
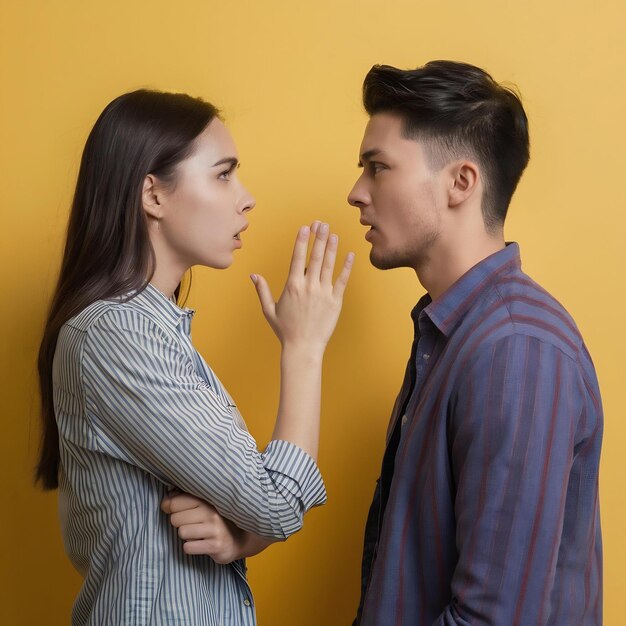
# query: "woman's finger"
[344,275]
[183,502]
[191,532]
[298,258]
[202,546]
[317,253]
[265,296]
[192,516]
[328,266]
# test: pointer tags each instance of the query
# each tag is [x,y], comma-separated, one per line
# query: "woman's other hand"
[202,528]
[205,531]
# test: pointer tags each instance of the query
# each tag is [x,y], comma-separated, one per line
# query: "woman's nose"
[248,202]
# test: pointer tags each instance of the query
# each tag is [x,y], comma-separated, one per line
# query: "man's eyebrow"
[232,160]
[367,155]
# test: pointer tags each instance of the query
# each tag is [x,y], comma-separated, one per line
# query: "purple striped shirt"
[486,510]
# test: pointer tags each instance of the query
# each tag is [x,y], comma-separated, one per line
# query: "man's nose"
[358,196]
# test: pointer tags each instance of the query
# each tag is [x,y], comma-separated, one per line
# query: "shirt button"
[404,420]
[246,602]
[426,357]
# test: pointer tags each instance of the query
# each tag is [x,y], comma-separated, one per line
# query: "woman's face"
[204,212]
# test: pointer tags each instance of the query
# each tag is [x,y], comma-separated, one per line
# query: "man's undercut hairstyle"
[458,111]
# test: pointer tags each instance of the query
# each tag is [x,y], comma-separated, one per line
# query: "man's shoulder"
[518,305]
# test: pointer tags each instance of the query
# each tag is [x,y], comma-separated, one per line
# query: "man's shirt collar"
[447,311]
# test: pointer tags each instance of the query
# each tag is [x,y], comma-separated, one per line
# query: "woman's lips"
[237,237]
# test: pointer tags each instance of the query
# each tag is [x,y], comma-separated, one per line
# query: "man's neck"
[448,260]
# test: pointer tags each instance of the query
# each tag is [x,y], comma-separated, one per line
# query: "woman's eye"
[225,175]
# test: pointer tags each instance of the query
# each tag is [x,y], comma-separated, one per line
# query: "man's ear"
[465,179]
[150,197]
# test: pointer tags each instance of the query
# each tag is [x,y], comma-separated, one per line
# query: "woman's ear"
[150,197]
[465,177]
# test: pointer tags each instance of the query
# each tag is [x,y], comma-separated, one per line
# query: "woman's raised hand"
[308,309]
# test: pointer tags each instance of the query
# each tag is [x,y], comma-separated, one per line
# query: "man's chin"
[385,262]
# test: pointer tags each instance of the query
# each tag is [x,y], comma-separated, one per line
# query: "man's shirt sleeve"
[148,406]
[512,439]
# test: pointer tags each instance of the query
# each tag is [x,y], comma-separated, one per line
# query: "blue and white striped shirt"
[139,412]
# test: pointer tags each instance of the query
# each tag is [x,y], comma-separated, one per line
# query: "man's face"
[398,194]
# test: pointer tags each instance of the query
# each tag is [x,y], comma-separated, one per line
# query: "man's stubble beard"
[412,257]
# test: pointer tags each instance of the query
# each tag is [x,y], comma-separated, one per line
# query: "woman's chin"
[221,263]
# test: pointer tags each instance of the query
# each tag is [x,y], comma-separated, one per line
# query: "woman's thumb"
[265,295]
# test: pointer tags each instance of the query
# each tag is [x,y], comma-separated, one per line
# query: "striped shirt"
[139,412]
[486,510]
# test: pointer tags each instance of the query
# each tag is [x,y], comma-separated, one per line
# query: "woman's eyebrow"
[232,160]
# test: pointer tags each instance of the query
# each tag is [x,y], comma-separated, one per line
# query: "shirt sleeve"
[149,407]
[512,437]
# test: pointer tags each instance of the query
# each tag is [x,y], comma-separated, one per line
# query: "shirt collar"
[447,311]
[165,309]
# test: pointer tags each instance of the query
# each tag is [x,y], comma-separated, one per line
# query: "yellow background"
[288,75]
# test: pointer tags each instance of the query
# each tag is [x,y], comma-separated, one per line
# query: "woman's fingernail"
[254,278]
[324,229]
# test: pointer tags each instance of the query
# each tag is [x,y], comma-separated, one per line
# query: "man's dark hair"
[460,112]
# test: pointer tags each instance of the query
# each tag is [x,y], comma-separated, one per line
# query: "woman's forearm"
[298,418]
[252,544]
[304,319]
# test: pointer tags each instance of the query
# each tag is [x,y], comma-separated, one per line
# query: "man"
[486,510]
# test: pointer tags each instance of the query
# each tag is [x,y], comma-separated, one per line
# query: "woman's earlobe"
[150,198]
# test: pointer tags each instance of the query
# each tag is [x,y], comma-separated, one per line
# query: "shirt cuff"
[296,471]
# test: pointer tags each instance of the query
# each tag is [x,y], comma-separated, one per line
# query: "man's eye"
[375,167]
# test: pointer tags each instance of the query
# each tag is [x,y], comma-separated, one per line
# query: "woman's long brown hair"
[108,251]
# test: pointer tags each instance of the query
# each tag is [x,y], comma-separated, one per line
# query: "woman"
[131,410]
